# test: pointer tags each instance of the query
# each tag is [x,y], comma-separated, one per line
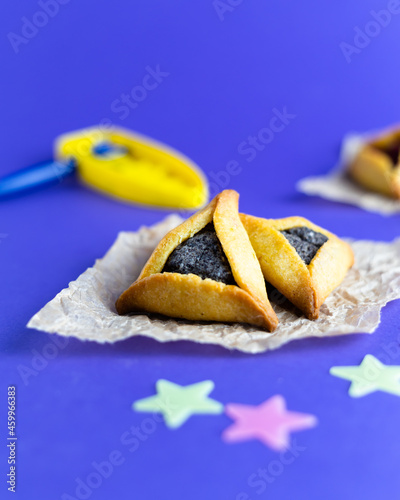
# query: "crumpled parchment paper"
[337,186]
[86,308]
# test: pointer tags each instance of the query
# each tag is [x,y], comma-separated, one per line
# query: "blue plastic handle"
[41,174]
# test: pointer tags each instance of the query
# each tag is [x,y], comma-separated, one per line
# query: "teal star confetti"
[177,403]
[370,376]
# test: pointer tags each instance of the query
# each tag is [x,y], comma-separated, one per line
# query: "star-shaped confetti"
[370,376]
[269,422]
[177,403]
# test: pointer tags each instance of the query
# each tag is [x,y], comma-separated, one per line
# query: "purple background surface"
[225,78]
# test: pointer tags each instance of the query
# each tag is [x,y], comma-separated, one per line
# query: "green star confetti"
[177,403]
[370,376]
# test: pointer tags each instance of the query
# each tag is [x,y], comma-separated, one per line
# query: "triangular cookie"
[303,261]
[377,165]
[176,279]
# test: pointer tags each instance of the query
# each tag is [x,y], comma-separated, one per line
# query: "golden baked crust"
[374,168]
[189,296]
[306,286]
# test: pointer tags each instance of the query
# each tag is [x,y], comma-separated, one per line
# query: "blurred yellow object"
[134,168]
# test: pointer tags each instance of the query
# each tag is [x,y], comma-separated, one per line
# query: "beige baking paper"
[85,309]
[337,186]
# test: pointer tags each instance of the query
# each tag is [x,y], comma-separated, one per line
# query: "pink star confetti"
[269,422]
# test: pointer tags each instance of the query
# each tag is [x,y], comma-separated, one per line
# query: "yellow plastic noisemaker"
[134,168]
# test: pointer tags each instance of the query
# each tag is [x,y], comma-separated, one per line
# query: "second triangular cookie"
[303,261]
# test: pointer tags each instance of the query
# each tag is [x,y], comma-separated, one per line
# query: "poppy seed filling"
[391,150]
[202,254]
[305,241]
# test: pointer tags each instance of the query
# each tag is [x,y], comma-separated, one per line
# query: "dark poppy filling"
[202,254]
[305,241]
[391,150]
